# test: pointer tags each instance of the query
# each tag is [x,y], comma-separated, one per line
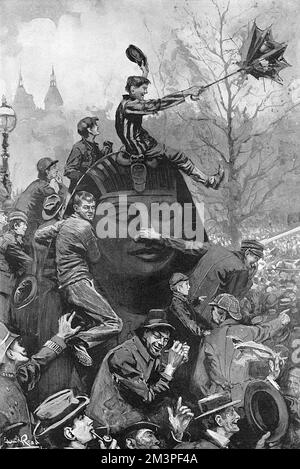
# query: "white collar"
[222,440]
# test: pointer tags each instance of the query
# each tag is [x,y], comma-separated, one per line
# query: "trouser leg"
[179,159]
[105,321]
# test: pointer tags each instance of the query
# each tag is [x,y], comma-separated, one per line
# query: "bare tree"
[232,122]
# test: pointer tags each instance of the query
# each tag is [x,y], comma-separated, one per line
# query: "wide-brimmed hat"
[176,278]
[25,291]
[17,215]
[6,339]
[57,409]
[157,318]
[51,206]
[135,55]
[215,403]
[254,246]
[45,163]
[266,409]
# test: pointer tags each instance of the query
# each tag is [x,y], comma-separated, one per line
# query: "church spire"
[20,79]
[53,100]
[52,78]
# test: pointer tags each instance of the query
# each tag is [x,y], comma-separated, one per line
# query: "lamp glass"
[7,119]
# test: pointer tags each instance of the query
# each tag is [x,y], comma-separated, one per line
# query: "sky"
[85,41]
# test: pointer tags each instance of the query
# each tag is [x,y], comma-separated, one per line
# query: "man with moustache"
[19,374]
[220,422]
[220,366]
[31,199]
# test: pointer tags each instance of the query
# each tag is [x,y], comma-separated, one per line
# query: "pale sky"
[85,40]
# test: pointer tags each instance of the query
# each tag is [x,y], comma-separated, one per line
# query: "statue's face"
[126,257]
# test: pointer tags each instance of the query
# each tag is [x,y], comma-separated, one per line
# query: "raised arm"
[194,248]
[152,106]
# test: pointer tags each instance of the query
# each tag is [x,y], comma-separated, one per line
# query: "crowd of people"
[209,360]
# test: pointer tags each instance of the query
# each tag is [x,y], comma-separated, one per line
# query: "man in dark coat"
[85,152]
[219,269]
[19,374]
[182,316]
[131,379]
[13,260]
[31,199]
[220,365]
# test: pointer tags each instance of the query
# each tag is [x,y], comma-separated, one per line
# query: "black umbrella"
[261,57]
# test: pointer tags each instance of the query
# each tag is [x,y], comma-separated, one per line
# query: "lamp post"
[8,121]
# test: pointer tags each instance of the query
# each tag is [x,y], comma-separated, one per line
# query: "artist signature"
[20,441]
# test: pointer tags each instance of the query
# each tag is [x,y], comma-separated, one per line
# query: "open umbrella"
[261,57]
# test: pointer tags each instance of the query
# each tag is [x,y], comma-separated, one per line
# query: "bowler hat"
[135,55]
[157,318]
[6,339]
[215,403]
[57,409]
[254,246]
[45,163]
[176,278]
[51,206]
[266,409]
[17,215]
[125,433]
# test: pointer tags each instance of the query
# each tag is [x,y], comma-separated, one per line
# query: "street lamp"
[8,121]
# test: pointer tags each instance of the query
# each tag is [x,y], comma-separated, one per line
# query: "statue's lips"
[149,254]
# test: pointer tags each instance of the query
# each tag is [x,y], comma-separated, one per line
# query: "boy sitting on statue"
[139,144]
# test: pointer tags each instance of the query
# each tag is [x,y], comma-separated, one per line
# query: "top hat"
[266,409]
[57,409]
[45,163]
[215,403]
[135,55]
[51,206]
[254,246]
[6,339]
[176,278]
[157,318]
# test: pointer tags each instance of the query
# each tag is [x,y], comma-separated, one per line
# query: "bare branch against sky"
[85,40]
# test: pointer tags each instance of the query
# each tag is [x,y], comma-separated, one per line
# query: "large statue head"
[134,196]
